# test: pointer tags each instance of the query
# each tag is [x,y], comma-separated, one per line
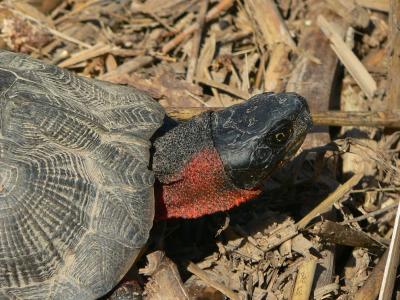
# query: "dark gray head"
[254,137]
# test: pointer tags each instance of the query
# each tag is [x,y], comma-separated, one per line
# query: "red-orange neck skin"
[202,188]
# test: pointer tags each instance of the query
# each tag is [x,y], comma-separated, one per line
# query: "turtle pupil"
[280,136]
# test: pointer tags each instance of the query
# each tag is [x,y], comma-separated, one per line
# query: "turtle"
[87,166]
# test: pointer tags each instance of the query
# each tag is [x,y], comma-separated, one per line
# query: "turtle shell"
[76,192]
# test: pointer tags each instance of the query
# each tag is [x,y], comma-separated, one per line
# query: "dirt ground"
[324,225]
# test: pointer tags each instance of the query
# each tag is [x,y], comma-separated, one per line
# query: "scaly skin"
[204,189]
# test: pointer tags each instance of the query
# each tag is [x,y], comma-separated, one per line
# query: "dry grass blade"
[226,88]
[330,200]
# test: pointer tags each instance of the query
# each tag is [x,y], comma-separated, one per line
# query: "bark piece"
[344,235]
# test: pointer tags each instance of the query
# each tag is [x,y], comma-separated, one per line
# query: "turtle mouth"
[292,150]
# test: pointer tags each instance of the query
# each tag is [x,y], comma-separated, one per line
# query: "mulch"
[324,225]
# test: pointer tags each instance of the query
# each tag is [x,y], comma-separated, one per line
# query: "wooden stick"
[394,65]
[348,58]
[194,269]
[128,67]
[212,13]
[389,275]
[390,119]
[361,118]
[330,200]
[304,280]
[371,214]
[381,5]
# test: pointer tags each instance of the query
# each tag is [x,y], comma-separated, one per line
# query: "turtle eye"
[280,136]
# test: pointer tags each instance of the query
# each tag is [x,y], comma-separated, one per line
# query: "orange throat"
[202,188]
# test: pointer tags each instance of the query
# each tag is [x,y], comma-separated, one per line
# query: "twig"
[330,200]
[361,118]
[381,190]
[330,118]
[86,54]
[213,13]
[348,58]
[236,92]
[194,269]
[389,275]
[371,214]
[128,67]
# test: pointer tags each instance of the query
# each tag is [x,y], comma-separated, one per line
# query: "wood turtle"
[83,172]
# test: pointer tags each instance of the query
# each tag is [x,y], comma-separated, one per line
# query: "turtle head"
[219,159]
[257,136]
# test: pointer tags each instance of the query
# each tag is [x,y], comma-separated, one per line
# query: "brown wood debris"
[319,230]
